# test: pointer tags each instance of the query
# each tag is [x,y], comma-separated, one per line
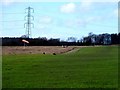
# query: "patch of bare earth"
[37,49]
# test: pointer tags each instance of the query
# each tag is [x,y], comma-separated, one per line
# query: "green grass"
[90,67]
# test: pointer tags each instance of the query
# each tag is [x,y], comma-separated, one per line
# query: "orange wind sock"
[25,41]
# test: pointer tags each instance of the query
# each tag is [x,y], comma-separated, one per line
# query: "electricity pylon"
[28,24]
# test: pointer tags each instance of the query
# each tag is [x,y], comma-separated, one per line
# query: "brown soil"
[37,49]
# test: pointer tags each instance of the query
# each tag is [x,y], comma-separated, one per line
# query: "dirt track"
[36,49]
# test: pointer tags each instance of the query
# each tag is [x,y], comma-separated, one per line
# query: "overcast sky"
[59,19]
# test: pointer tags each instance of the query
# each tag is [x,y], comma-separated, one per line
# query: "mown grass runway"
[89,67]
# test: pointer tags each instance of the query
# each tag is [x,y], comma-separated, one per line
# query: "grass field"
[89,67]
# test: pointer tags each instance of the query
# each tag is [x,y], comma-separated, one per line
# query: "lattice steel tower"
[28,24]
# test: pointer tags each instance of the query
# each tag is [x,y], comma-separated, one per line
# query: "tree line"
[91,39]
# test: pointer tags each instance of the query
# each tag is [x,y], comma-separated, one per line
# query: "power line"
[12,13]
[17,12]
[28,24]
[11,28]
[13,21]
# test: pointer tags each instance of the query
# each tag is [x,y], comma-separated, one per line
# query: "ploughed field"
[86,67]
[37,49]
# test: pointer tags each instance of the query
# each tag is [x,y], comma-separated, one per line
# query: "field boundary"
[73,50]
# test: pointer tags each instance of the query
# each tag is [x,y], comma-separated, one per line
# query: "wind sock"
[25,41]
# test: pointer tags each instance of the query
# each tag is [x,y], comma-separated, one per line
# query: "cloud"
[91,1]
[68,8]
[45,20]
[81,23]
[7,2]
[69,23]
[115,12]
[41,26]
[78,23]
[84,22]
[86,5]
[73,23]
